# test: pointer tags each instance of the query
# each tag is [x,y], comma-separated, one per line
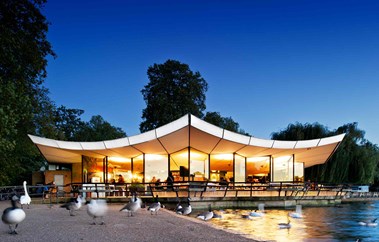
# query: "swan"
[371,223]
[206,215]
[184,210]
[97,209]
[256,213]
[297,214]
[285,225]
[13,216]
[154,207]
[132,206]
[25,199]
[73,205]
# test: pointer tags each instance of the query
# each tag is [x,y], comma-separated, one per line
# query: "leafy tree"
[355,161]
[173,91]
[223,122]
[23,51]
[68,122]
[97,129]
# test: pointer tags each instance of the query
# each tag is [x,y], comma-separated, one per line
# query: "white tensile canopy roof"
[188,131]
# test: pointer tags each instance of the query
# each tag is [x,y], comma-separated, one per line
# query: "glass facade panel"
[258,169]
[137,175]
[299,172]
[93,170]
[239,169]
[156,166]
[221,166]
[283,168]
[119,166]
[179,165]
[199,165]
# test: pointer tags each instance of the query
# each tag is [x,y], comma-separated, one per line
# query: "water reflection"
[317,224]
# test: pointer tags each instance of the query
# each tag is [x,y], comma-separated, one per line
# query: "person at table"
[170,182]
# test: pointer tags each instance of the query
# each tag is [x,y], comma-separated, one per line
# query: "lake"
[340,223]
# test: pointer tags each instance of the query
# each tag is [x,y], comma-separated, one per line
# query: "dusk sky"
[268,63]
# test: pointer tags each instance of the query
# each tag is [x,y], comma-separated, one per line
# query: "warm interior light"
[118,159]
[257,159]
[154,157]
[223,157]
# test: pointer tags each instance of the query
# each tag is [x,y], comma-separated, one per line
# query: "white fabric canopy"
[189,131]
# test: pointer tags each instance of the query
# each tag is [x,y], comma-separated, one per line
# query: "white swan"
[13,216]
[206,215]
[97,209]
[371,223]
[25,199]
[297,214]
[256,213]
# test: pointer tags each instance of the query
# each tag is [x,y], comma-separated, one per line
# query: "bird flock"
[97,209]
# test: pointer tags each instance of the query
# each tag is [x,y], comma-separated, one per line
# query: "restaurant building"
[191,149]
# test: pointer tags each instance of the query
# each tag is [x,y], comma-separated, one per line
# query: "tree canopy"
[23,51]
[228,123]
[173,91]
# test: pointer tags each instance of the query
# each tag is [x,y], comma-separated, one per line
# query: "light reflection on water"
[318,223]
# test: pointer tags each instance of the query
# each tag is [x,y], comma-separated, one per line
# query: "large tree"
[23,58]
[173,91]
[97,129]
[223,122]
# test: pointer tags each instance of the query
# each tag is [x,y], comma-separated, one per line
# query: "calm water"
[317,224]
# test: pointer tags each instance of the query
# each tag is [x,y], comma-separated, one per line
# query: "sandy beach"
[54,223]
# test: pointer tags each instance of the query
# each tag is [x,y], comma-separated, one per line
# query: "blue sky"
[268,63]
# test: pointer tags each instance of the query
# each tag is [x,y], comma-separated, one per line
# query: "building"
[191,149]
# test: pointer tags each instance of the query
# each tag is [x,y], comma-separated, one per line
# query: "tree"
[228,123]
[355,161]
[97,129]
[68,122]
[23,58]
[173,91]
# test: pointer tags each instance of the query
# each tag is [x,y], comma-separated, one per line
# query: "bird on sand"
[25,199]
[132,207]
[73,205]
[13,216]
[154,207]
[97,208]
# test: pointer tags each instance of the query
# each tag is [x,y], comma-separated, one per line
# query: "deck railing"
[183,189]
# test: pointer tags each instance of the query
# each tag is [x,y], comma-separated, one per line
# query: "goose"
[97,209]
[25,199]
[371,223]
[256,213]
[73,205]
[285,225]
[13,216]
[132,206]
[154,207]
[184,210]
[206,215]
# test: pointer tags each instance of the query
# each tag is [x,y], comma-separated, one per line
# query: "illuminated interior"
[258,169]
[221,167]
[283,169]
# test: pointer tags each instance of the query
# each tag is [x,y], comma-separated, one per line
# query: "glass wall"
[179,165]
[93,171]
[137,175]
[119,166]
[221,166]
[299,172]
[156,166]
[258,169]
[239,168]
[199,168]
[283,168]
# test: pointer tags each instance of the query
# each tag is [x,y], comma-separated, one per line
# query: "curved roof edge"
[187,120]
